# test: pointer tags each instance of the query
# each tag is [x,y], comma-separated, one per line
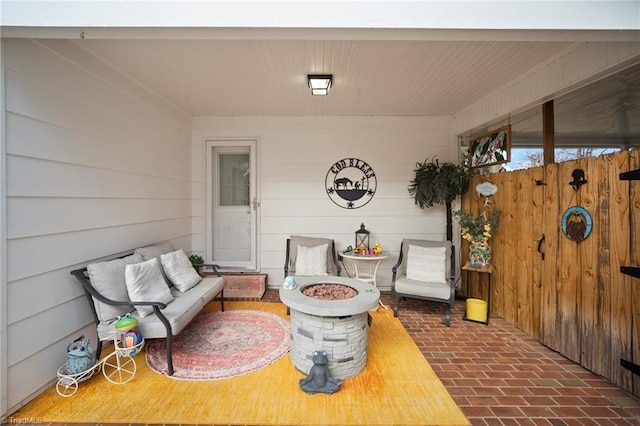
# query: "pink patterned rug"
[219,345]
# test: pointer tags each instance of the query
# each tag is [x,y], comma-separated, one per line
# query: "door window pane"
[233,177]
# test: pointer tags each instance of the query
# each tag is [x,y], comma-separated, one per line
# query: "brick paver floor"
[499,375]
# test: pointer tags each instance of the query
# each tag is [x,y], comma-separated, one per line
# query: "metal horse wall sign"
[350,183]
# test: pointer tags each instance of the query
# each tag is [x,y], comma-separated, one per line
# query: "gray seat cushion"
[180,312]
[432,290]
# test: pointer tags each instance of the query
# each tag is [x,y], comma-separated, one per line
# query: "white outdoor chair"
[425,271]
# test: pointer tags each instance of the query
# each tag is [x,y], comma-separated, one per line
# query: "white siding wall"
[95,165]
[294,155]
[583,64]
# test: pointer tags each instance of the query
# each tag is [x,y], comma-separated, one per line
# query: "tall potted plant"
[436,183]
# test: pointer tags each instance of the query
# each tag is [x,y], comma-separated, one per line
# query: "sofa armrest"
[213,266]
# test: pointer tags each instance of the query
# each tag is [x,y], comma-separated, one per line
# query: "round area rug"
[219,345]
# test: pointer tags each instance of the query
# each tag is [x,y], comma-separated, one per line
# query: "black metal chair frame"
[400,296]
[91,293]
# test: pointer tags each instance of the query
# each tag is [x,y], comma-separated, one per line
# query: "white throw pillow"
[312,261]
[426,264]
[179,270]
[155,250]
[145,284]
[108,279]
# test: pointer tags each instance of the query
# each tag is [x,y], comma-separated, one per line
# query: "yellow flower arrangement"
[477,230]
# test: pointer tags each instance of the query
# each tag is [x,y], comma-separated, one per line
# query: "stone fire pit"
[338,327]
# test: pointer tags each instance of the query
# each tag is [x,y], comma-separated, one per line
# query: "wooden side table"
[488,269]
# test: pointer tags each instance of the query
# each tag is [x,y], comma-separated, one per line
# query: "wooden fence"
[569,295]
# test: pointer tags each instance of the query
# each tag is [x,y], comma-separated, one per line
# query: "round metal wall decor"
[350,183]
[576,223]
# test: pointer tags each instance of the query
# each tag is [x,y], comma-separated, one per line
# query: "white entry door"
[232,206]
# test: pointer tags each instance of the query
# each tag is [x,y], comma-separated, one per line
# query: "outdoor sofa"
[155,284]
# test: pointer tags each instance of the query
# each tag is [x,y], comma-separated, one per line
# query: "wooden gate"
[569,295]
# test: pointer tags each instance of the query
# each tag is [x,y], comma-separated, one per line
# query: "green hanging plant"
[436,183]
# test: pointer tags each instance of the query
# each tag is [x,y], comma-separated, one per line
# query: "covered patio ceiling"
[402,75]
[422,58]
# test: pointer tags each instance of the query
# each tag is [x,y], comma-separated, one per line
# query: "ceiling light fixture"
[320,83]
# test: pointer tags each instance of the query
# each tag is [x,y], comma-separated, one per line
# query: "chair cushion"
[180,312]
[426,264]
[108,279]
[439,291]
[145,284]
[311,261]
[179,270]
[299,240]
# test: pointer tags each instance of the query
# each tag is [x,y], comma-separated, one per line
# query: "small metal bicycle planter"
[119,367]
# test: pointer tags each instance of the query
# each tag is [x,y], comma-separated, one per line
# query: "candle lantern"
[362,238]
